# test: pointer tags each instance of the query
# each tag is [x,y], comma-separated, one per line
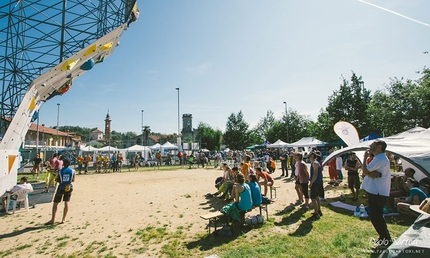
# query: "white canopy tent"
[168,146]
[278,144]
[108,148]
[156,146]
[143,150]
[89,148]
[412,146]
[307,142]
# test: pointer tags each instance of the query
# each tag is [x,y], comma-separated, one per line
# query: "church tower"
[187,123]
[107,128]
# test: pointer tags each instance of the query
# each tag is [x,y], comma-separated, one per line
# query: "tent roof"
[137,148]
[89,148]
[168,145]
[278,144]
[411,146]
[307,142]
[108,148]
[156,146]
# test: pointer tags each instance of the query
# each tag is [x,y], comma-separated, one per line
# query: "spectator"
[255,190]
[36,165]
[332,171]
[263,178]
[302,180]
[242,194]
[352,165]
[50,172]
[22,185]
[284,162]
[416,196]
[80,161]
[87,162]
[339,163]
[315,185]
[378,188]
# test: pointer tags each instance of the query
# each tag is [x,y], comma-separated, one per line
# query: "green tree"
[210,137]
[403,104]
[349,103]
[236,135]
[264,125]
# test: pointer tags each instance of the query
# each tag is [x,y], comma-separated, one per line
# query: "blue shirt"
[245,202]
[66,177]
[416,191]
[255,193]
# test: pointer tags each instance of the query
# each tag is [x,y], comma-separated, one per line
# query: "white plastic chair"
[22,195]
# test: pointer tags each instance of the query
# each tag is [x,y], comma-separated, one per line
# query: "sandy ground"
[108,210]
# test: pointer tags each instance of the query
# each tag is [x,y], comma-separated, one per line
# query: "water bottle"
[363,212]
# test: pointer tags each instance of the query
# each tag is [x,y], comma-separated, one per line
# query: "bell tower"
[107,127]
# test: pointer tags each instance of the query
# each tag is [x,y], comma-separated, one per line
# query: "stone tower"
[107,127]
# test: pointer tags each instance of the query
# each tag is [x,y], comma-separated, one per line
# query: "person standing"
[352,165]
[65,178]
[87,162]
[378,188]
[80,161]
[50,170]
[292,165]
[339,163]
[36,166]
[315,185]
[332,171]
[302,181]
[284,162]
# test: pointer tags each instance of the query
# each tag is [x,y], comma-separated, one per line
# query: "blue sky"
[232,55]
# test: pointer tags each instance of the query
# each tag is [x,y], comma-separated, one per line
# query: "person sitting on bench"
[263,178]
[242,194]
[255,191]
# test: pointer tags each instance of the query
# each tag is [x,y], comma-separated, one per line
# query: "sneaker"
[305,208]
[320,213]
[315,216]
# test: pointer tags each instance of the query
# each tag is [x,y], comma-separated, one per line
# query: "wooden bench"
[273,189]
[212,217]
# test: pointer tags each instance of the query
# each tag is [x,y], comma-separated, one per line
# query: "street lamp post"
[142,127]
[179,136]
[58,123]
[286,115]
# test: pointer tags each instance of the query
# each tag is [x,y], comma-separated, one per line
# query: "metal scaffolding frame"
[36,35]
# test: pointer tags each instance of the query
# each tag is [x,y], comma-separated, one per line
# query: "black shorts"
[60,194]
[305,189]
[354,181]
[315,191]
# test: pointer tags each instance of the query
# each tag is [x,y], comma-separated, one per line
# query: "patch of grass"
[181,216]
[187,196]
[151,233]
[62,244]
[63,238]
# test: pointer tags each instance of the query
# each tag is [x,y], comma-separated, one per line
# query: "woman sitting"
[242,196]
[416,196]
[255,191]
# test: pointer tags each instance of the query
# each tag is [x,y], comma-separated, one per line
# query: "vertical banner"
[347,133]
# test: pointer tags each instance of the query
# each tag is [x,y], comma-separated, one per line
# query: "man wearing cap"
[378,188]
[284,162]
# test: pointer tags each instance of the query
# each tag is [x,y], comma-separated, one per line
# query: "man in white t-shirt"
[22,185]
[377,186]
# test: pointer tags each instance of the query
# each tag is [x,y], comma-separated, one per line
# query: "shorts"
[354,181]
[315,191]
[60,194]
[305,189]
